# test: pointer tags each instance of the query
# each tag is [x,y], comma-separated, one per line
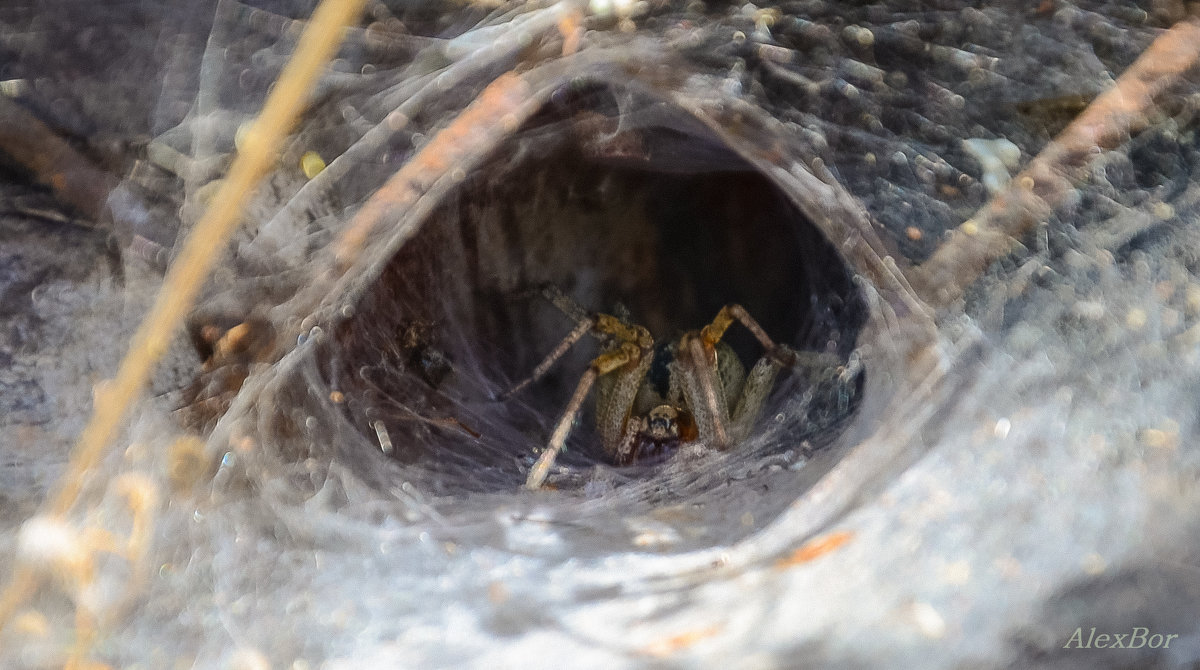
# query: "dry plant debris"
[175,299]
[1049,180]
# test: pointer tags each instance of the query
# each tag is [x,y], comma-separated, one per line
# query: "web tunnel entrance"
[656,222]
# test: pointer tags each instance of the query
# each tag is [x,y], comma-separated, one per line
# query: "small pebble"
[1001,429]
[1094,564]
[1135,319]
[928,620]
[312,164]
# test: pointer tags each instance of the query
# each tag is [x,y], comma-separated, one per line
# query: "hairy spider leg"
[601,324]
[710,405]
[713,332]
[760,380]
[615,399]
[563,347]
[564,303]
[596,324]
[626,353]
[709,408]
[812,362]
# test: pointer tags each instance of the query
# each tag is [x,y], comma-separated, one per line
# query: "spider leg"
[563,347]
[713,332]
[564,303]
[709,408]
[614,403]
[602,364]
[815,368]
[596,324]
[811,362]
[537,474]
[709,404]
[759,382]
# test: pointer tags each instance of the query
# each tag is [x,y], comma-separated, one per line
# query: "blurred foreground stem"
[199,252]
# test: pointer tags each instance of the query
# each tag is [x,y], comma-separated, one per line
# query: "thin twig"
[186,275]
[406,101]
[494,108]
[1048,181]
[54,163]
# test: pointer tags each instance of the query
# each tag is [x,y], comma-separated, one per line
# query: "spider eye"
[662,422]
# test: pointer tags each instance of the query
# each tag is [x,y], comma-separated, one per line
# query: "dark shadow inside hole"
[455,319]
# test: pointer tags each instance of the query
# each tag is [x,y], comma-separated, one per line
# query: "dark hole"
[660,223]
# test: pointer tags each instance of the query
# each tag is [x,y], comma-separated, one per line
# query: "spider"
[653,397]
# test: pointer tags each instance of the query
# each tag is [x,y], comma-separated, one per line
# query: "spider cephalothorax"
[654,397]
[657,435]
